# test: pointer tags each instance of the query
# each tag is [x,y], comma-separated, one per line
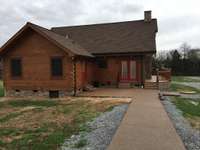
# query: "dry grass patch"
[195,122]
[44,124]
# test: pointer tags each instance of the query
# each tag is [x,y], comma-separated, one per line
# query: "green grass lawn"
[1,89]
[190,109]
[45,124]
[180,88]
[184,79]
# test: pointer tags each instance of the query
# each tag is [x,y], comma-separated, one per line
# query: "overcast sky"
[178,20]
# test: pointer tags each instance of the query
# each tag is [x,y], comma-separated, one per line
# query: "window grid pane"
[16,67]
[56,67]
[133,69]
[124,73]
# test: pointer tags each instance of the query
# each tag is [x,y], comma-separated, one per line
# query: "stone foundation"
[37,93]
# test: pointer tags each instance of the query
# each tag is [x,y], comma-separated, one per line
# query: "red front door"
[128,70]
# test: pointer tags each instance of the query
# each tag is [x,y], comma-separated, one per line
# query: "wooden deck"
[155,83]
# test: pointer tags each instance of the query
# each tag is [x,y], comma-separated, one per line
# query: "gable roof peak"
[65,44]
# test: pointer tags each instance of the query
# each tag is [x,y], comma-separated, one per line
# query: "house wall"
[90,71]
[85,72]
[148,66]
[111,74]
[81,73]
[36,52]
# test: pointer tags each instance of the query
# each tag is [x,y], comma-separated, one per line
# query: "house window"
[133,69]
[56,66]
[16,67]
[102,63]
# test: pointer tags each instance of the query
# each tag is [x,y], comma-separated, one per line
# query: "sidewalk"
[146,125]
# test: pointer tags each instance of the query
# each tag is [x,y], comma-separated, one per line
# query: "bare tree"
[185,48]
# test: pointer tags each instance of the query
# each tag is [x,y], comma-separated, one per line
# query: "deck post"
[74,75]
[157,77]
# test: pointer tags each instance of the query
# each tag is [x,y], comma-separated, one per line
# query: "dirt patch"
[195,122]
[37,122]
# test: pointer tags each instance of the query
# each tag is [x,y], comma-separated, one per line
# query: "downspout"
[74,76]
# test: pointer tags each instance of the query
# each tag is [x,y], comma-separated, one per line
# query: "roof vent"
[67,36]
[147,16]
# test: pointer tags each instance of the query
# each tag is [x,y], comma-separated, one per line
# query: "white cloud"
[178,21]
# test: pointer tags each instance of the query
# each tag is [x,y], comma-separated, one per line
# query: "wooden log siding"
[36,52]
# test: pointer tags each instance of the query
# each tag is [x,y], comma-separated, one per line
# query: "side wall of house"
[36,52]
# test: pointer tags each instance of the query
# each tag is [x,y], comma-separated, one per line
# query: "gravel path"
[101,132]
[189,136]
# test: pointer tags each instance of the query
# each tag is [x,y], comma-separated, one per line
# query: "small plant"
[81,143]
[110,108]
[1,143]
[1,89]
[84,128]
[132,85]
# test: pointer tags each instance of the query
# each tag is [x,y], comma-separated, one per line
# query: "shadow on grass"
[181,88]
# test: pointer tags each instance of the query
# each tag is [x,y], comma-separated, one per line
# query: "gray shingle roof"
[121,37]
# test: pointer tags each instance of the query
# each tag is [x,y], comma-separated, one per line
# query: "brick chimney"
[147,16]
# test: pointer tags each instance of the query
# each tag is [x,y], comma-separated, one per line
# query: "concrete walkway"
[146,125]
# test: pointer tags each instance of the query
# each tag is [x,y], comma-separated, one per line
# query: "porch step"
[153,85]
[124,85]
[150,85]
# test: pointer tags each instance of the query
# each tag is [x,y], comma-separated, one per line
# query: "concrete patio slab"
[146,125]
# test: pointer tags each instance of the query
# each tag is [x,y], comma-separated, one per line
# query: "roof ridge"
[94,24]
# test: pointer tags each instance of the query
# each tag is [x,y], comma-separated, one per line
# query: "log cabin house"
[63,60]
